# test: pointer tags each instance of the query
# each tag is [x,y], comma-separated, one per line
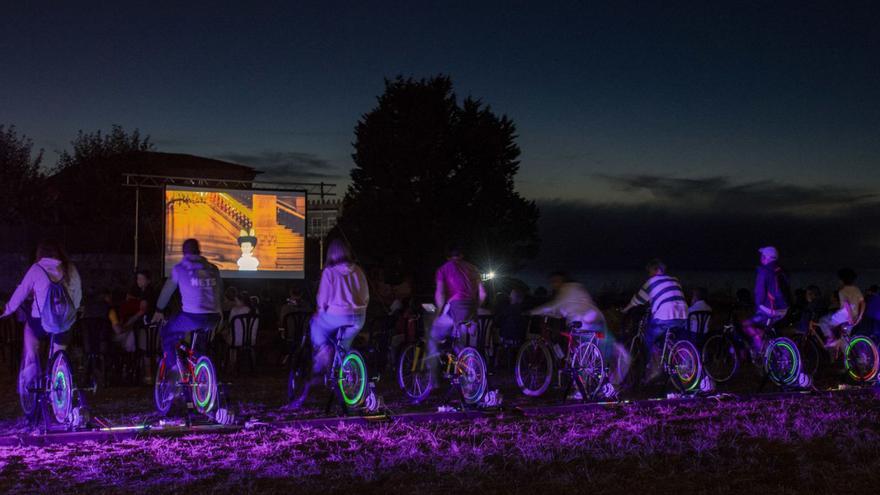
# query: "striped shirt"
[665,296]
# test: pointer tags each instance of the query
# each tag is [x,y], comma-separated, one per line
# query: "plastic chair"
[243,331]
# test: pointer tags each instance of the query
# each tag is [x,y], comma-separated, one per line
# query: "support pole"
[137,207]
[322,232]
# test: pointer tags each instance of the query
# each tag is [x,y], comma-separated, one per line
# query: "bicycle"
[195,380]
[464,368]
[779,359]
[581,363]
[346,377]
[54,391]
[860,356]
[679,359]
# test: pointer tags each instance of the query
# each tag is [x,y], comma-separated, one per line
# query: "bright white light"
[487,276]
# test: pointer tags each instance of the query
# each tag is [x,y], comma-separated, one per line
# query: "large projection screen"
[247,233]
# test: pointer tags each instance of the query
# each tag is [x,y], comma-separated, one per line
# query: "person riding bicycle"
[201,292]
[772,296]
[572,302]
[51,272]
[669,310]
[458,294]
[343,295]
[852,304]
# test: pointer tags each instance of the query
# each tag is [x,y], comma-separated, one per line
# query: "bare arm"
[21,293]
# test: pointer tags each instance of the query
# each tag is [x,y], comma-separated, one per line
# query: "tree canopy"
[429,172]
[20,176]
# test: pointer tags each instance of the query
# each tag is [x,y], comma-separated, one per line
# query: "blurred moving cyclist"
[458,294]
[201,294]
[572,302]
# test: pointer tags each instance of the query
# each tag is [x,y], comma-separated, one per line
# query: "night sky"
[692,132]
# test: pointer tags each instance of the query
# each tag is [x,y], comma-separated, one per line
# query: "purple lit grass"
[807,444]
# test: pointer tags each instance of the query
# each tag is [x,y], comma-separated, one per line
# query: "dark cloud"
[286,164]
[712,223]
[758,197]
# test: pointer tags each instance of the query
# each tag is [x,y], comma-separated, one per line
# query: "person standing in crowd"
[815,307]
[51,269]
[343,296]
[851,306]
[871,321]
[201,292]
[772,296]
[668,310]
[458,294]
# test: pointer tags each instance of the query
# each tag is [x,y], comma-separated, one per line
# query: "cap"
[770,252]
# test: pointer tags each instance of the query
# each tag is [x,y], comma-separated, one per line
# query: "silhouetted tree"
[87,201]
[429,172]
[20,176]
[92,147]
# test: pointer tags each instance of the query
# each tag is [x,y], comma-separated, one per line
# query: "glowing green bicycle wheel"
[782,361]
[861,359]
[61,388]
[352,379]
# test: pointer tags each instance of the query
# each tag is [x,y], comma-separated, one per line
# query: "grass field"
[806,444]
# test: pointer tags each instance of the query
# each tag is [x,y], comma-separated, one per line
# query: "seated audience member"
[698,304]
[871,320]
[243,304]
[509,317]
[295,303]
[814,308]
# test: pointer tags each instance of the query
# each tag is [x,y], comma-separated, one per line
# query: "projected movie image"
[246,233]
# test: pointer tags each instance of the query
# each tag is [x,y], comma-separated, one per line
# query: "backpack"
[57,313]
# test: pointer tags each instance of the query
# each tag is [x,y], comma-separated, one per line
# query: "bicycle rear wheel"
[165,388]
[300,374]
[352,379]
[685,368]
[590,366]
[204,385]
[782,361]
[720,359]
[471,373]
[861,359]
[61,387]
[413,373]
[534,368]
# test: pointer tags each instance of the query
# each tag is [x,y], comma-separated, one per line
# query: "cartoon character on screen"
[247,241]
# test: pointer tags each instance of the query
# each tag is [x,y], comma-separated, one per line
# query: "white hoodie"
[35,282]
[343,290]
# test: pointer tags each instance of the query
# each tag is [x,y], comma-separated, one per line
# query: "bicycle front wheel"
[782,361]
[352,379]
[861,359]
[534,368]
[204,385]
[413,373]
[61,388]
[590,366]
[471,373]
[28,383]
[684,366]
[165,388]
[720,359]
